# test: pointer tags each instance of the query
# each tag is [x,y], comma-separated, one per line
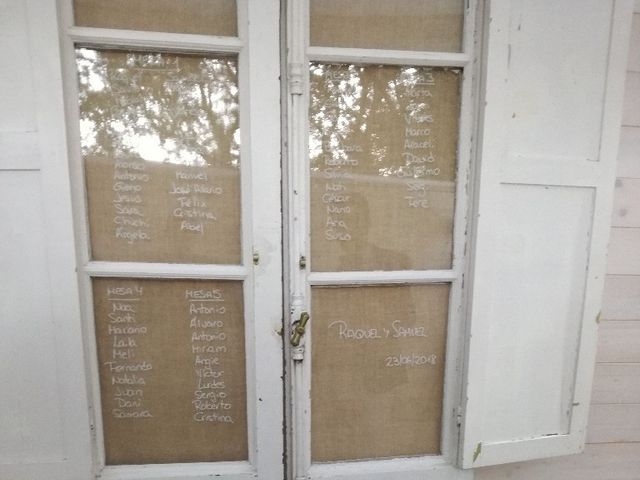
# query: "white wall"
[613,450]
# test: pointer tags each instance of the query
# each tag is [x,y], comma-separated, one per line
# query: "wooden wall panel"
[624,254]
[629,153]
[631,115]
[625,207]
[616,383]
[634,53]
[621,297]
[614,423]
[598,462]
[619,341]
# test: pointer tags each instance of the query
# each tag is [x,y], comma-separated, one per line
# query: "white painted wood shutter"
[44,418]
[553,87]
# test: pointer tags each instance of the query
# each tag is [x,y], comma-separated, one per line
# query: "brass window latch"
[299,327]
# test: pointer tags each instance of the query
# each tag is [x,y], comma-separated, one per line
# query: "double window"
[338,240]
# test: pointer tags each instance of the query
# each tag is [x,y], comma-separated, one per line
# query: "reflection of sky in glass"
[349,107]
[179,109]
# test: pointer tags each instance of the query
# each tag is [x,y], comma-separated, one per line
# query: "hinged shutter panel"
[44,417]
[553,89]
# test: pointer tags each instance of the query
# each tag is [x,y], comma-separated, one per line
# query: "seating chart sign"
[377,371]
[383,152]
[161,147]
[171,360]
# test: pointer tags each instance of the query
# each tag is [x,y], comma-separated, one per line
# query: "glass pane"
[424,25]
[207,17]
[160,141]
[377,371]
[172,370]
[383,143]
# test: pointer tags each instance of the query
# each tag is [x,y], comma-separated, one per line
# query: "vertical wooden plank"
[618,341]
[626,212]
[614,423]
[622,256]
[621,300]
[631,116]
[616,383]
[634,52]
[629,153]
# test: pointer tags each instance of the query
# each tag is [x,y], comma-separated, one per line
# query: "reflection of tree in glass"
[366,106]
[159,107]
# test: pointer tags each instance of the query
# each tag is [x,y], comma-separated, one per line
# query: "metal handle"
[299,327]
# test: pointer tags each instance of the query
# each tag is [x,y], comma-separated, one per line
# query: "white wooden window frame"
[300,53]
[257,50]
